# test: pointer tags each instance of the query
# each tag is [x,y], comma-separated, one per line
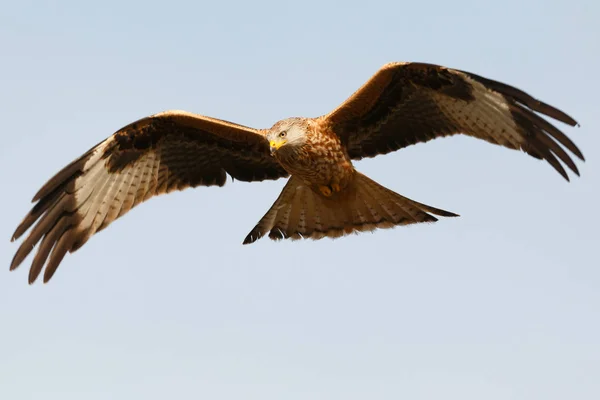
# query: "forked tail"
[365,205]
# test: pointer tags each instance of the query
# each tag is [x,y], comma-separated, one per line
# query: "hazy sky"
[501,303]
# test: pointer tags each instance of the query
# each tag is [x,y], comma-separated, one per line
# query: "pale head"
[287,134]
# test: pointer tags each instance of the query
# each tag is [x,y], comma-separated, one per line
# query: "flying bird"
[325,196]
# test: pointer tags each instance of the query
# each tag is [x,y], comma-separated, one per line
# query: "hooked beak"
[276,145]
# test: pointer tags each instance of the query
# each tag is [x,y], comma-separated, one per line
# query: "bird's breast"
[318,163]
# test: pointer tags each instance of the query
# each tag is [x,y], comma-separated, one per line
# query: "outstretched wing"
[407,103]
[169,151]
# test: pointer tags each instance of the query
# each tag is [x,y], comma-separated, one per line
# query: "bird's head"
[287,135]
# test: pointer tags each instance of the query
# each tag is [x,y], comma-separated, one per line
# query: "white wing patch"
[102,197]
[487,117]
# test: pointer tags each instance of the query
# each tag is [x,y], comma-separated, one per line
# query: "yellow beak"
[276,145]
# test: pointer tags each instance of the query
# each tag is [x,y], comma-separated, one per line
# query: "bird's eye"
[282,133]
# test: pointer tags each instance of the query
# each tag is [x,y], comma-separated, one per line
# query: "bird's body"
[325,196]
[322,161]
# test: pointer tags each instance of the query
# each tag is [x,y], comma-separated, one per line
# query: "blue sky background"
[501,303]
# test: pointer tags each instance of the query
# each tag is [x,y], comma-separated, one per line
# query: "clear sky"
[501,303]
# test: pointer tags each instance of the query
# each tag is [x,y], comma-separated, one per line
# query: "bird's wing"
[407,103]
[169,151]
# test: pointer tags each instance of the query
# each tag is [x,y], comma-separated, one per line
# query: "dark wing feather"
[169,151]
[408,103]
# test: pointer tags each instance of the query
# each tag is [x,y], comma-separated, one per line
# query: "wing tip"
[16,261]
[580,155]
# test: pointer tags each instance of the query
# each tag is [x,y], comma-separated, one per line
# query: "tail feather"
[365,205]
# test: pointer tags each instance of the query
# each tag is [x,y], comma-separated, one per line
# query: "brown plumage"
[401,105]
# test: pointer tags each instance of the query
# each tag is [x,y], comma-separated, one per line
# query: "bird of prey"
[403,104]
